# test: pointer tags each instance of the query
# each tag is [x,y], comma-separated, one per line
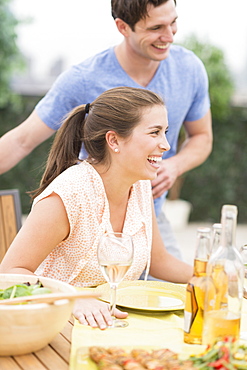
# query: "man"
[145,58]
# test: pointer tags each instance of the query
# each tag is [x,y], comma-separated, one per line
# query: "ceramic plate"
[146,295]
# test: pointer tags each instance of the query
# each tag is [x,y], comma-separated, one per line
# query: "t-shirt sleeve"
[201,101]
[64,95]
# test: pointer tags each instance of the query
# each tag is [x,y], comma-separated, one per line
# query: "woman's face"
[140,154]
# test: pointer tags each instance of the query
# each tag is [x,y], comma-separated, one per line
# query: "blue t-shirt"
[181,80]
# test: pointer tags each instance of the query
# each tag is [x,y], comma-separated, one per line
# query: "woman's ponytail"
[65,148]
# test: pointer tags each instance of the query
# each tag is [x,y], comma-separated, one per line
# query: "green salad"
[227,354]
[25,289]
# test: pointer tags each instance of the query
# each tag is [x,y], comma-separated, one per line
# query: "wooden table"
[55,356]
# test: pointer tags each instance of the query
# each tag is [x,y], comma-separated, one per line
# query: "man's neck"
[140,69]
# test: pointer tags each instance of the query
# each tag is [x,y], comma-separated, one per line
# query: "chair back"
[10,218]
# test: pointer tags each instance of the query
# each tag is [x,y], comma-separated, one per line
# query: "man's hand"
[167,174]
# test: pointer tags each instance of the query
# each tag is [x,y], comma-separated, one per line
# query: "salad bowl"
[25,328]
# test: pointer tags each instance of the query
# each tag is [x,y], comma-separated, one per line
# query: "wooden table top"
[54,356]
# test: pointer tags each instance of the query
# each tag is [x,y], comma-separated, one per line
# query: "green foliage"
[221,85]
[10,56]
[223,177]
[14,109]
[27,174]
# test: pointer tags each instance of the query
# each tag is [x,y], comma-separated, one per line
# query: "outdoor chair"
[10,218]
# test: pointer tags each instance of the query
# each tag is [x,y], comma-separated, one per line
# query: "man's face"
[153,35]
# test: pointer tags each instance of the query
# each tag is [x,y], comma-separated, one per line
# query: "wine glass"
[115,255]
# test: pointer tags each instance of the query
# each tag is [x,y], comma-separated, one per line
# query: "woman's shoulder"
[82,168]
[78,178]
[78,186]
[82,174]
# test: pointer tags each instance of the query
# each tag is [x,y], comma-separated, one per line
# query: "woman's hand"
[95,313]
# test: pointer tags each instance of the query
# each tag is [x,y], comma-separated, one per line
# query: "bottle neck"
[229,229]
[202,246]
[216,240]
[202,251]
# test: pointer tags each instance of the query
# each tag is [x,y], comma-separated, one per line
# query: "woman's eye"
[155,132]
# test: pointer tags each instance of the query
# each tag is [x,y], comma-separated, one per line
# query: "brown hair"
[118,109]
[131,11]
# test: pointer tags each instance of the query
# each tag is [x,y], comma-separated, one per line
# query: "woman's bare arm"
[45,227]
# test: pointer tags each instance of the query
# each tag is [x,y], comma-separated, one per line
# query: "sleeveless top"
[82,192]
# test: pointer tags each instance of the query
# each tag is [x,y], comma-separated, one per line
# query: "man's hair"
[131,11]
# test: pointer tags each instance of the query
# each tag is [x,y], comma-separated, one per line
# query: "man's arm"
[194,151]
[19,142]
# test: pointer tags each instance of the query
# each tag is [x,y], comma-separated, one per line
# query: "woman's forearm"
[171,269]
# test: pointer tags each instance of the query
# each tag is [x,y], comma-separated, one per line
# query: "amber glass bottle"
[194,304]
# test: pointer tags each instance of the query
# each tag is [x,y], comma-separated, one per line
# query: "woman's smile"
[155,161]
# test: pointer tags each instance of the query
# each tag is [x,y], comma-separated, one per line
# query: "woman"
[124,134]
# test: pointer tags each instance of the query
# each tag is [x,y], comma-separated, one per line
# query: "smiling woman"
[78,201]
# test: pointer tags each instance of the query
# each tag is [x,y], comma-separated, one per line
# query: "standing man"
[146,58]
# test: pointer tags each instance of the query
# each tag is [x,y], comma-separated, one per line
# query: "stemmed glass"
[115,255]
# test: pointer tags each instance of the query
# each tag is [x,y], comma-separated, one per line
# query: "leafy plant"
[222,177]
[221,84]
[11,59]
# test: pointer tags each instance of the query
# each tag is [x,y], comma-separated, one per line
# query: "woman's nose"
[164,145]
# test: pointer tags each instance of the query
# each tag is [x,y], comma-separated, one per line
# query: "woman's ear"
[112,140]
[123,27]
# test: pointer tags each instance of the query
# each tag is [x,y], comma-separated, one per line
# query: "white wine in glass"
[115,256]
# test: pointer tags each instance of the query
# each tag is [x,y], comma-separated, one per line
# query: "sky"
[76,29]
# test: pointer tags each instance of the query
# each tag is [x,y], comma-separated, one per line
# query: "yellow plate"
[146,295]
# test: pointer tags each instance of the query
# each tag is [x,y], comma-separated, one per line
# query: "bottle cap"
[229,208]
[217,226]
[203,230]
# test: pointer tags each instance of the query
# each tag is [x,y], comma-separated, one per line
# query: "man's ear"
[123,27]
